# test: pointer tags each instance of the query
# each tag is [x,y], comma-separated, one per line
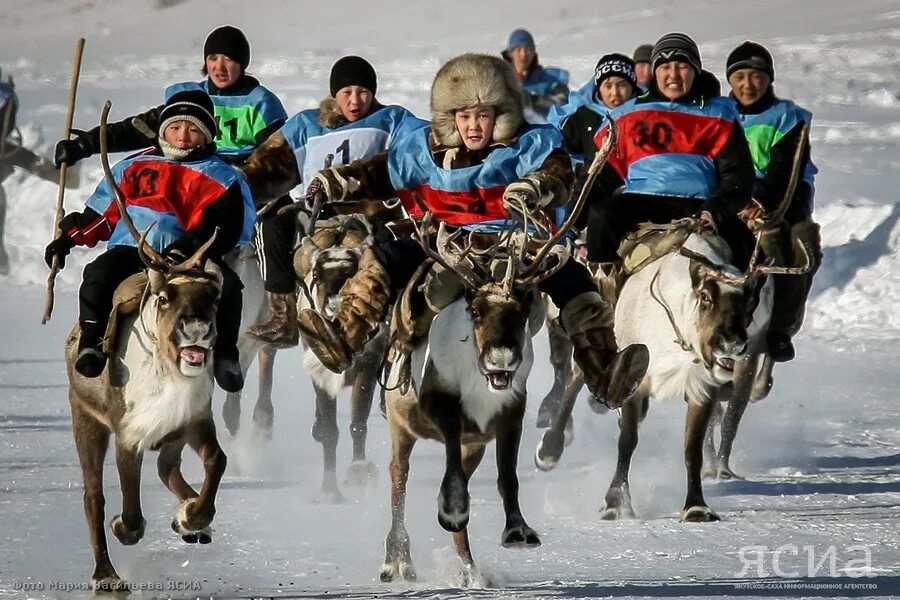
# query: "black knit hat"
[229,41]
[676,46]
[194,106]
[750,55]
[642,53]
[352,70]
[615,65]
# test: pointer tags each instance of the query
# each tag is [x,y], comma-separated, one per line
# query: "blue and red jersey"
[467,195]
[170,195]
[670,148]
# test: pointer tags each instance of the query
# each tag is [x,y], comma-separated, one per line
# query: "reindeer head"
[180,313]
[500,295]
[330,256]
[724,311]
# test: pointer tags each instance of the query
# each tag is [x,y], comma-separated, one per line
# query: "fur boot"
[281,329]
[364,304]
[611,376]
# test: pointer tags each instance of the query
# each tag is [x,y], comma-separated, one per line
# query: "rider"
[543,87]
[681,152]
[350,124]
[475,156]
[773,127]
[184,191]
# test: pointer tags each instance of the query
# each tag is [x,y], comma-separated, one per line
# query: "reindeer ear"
[699,272]
[157,280]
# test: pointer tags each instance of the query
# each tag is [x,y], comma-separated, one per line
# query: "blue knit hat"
[520,38]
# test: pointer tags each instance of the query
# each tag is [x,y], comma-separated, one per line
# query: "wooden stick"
[73,89]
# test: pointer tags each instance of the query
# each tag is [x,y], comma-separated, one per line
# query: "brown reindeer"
[155,394]
[468,389]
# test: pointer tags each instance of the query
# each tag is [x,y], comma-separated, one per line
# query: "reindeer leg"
[550,449]
[763,382]
[695,508]
[617,504]
[517,533]
[744,372]
[561,361]
[362,472]
[128,527]
[471,458]
[397,559]
[194,515]
[91,442]
[710,459]
[453,498]
[325,431]
[168,466]
[231,412]
[264,412]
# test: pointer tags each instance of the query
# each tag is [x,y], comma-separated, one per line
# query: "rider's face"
[476,126]
[674,79]
[748,85]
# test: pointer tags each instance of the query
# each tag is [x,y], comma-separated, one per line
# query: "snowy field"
[819,512]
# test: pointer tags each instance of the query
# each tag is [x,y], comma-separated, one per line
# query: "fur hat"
[229,41]
[194,106]
[615,65]
[352,70]
[676,46]
[750,55]
[476,80]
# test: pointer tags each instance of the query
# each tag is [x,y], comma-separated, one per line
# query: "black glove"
[71,151]
[60,248]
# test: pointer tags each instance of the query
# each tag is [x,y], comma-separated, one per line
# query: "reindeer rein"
[679,338]
[144,296]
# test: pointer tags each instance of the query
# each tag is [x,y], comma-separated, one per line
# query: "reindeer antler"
[148,255]
[443,255]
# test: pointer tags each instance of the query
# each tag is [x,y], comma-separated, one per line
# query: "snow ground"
[822,454]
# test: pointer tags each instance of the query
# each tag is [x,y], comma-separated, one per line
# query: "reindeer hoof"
[362,473]
[329,495]
[400,570]
[187,522]
[520,536]
[699,514]
[720,473]
[616,513]
[203,536]
[127,537]
[548,452]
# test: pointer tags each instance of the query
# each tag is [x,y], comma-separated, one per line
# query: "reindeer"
[325,261]
[468,381]
[156,394]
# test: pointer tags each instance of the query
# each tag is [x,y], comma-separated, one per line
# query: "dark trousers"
[275,237]
[791,291]
[401,258]
[103,275]
[609,222]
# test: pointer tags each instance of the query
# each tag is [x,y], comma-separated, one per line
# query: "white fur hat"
[475,80]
